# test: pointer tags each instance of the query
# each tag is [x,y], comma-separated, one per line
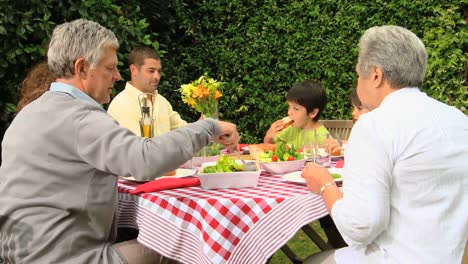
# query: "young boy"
[306,102]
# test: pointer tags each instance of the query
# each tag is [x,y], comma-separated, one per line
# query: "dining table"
[195,225]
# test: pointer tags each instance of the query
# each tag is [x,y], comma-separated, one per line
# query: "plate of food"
[281,159]
[296,176]
[336,173]
[257,149]
[179,173]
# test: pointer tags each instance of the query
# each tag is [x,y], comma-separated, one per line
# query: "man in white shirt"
[145,70]
[405,184]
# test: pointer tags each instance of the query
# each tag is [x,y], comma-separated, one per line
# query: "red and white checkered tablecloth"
[193,225]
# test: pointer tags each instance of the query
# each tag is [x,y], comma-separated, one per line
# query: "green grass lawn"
[301,245]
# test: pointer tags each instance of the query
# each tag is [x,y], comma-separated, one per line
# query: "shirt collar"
[133,91]
[400,92]
[73,91]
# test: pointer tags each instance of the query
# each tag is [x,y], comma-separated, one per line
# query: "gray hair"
[78,39]
[397,51]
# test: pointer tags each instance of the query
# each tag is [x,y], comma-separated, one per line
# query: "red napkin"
[166,184]
[242,145]
[339,164]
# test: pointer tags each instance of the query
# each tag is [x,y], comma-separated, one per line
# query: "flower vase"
[211,151]
[213,113]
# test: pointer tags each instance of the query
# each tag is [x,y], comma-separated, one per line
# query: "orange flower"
[201,92]
[217,94]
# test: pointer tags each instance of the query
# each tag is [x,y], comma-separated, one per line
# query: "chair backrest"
[339,128]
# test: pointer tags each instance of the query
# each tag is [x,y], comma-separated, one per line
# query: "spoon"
[248,165]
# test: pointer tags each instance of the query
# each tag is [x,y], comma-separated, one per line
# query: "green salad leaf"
[336,175]
[224,164]
[212,149]
[282,152]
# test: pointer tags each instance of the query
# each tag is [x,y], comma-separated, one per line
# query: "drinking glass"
[322,151]
[146,128]
[308,144]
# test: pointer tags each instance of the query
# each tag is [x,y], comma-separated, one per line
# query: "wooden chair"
[339,129]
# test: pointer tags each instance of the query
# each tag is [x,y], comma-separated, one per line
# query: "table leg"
[315,238]
[290,254]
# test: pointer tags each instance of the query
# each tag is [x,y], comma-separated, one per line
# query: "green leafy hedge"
[26,27]
[261,48]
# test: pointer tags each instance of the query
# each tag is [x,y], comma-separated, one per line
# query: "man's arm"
[363,212]
[109,147]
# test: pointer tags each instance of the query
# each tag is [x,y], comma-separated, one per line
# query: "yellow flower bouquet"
[202,95]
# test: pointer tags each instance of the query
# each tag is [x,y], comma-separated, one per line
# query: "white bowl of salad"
[227,173]
[282,159]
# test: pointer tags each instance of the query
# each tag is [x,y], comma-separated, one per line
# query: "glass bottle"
[146,123]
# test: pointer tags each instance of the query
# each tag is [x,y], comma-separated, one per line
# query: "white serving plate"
[180,173]
[296,176]
[224,180]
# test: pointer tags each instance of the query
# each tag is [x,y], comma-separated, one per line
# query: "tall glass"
[308,144]
[322,150]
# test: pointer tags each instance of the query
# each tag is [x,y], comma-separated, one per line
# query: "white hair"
[397,51]
[78,39]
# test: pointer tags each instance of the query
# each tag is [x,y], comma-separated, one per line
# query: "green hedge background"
[259,48]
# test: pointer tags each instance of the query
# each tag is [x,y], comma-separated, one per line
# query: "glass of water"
[322,151]
[308,144]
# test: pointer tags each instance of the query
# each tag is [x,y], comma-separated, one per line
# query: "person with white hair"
[404,194]
[62,155]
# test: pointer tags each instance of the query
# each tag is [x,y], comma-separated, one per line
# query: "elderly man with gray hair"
[63,152]
[404,196]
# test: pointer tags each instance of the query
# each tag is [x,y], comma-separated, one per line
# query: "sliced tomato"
[290,158]
[274,158]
